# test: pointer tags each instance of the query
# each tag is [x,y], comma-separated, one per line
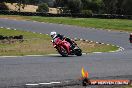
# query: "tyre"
[63,52]
[78,52]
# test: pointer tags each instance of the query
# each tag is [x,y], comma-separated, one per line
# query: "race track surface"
[19,71]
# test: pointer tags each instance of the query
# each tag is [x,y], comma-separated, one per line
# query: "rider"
[55,35]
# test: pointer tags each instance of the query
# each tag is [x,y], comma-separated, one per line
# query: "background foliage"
[77,6]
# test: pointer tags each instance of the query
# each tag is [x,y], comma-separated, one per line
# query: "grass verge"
[39,44]
[116,86]
[113,24]
[127,87]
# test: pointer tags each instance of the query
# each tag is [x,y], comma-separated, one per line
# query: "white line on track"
[81,39]
[91,41]
[55,82]
[113,45]
[108,44]
[53,54]
[112,51]
[66,81]
[34,21]
[36,84]
[32,84]
[44,83]
[8,28]
[97,52]
[34,55]
[10,56]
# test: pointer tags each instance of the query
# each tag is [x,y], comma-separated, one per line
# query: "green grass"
[128,86]
[39,44]
[89,47]
[34,43]
[114,86]
[113,24]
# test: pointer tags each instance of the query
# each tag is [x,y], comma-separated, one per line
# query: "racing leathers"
[66,38]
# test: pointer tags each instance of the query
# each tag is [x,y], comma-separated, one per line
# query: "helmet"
[53,34]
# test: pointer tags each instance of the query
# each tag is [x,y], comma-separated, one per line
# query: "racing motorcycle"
[64,48]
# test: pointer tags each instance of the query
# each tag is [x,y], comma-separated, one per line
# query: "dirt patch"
[28,8]
[13,17]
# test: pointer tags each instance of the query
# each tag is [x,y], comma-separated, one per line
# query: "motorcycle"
[64,48]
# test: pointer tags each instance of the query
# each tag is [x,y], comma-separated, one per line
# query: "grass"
[89,47]
[34,43]
[114,86]
[127,87]
[113,24]
[39,44]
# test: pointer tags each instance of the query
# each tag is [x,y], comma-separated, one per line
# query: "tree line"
[83,6]
[97,6]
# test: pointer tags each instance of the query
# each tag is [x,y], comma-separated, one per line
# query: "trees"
[1,1]
[110,6]
[93,5]
[77,6]
[32,2]
[97,6]
[74,6]
[3,6]
[126,7]
[60,3]
[117,6]
[49,2]
[43,8]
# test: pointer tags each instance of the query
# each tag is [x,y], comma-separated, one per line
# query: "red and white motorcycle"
[64,48]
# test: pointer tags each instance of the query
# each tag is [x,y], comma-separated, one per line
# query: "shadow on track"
[59,56]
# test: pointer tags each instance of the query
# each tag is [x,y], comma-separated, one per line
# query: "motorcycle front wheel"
[78,51]
[63,52]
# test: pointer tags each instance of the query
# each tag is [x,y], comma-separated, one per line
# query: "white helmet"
[53,34]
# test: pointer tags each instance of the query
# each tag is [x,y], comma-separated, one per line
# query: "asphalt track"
[16,72]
